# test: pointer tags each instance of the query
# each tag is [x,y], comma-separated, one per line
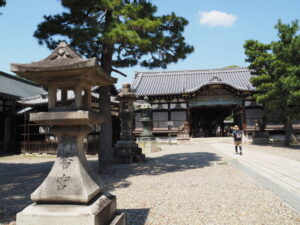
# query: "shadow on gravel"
[156,166]
[136,216]
[19,180]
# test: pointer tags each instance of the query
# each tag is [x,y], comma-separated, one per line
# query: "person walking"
[237,138]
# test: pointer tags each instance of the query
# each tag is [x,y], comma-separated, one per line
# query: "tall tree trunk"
[288,131]
[105,156]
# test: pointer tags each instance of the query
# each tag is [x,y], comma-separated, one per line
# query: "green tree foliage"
[119,33]
[2,3]
[277,66]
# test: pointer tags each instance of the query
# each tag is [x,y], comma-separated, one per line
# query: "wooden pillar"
[244,124]
[169,119]
[24,134]
[188,117]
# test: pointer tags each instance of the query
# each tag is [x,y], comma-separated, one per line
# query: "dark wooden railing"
[50,147]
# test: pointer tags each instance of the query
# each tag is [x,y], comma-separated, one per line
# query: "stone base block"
[128,152]
[102,211]
[183,136]
[260,138]
[260,141]
[149,146]
[119,220]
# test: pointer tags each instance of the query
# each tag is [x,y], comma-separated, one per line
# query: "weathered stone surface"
[102,211]
[183,136]
[146,141]
[70,180]
[183,133]
[67,118]
[146,119]
[260,137]
[126,150]
[148,146]
[119,220]
[65,63]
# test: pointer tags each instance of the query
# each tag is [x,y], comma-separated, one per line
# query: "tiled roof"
[18,87]
[178,82]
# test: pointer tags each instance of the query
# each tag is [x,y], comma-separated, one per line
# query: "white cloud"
[217,18]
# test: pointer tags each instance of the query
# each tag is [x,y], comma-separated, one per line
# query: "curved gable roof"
[178,82]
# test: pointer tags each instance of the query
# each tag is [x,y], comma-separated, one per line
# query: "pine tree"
[277,69]
[2,3]
[119,33]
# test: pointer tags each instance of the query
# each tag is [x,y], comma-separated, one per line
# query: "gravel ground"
[186,185]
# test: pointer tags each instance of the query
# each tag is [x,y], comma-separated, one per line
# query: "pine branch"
[119,72]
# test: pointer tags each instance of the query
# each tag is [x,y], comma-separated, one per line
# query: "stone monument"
[71,194]
[183,132]
[126,150]
[147,140]
[260,134]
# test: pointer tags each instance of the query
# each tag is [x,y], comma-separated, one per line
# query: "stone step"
[100,212]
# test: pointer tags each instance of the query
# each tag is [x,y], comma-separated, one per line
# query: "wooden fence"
[50,147]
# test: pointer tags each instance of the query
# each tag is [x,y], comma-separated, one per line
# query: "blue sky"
[218,40]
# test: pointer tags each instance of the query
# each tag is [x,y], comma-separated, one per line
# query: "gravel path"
[184,185]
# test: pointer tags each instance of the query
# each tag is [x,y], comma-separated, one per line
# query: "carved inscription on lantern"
[65,162]
[62,182]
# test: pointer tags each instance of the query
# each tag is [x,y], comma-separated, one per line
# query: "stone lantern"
[71,194]
[260,134]
[147,140]
[146,119]
[126,150]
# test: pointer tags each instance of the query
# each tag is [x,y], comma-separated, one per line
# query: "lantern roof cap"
[126,93]
[64,63]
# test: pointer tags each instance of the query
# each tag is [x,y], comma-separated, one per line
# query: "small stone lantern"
[260,134]
[147,140]
[71,193]
[126,150]
[146,119]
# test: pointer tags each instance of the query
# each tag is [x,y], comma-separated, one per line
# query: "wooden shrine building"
[210,101]
[12,88]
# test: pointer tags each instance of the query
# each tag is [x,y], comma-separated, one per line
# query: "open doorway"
[211,121]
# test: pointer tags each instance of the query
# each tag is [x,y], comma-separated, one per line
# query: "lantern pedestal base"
[101,211]
[260,137]
[183,136]
[128,152]
[148,145]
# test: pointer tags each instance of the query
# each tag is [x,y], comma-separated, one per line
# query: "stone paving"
[281,171]
[284,172]
[191,184]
